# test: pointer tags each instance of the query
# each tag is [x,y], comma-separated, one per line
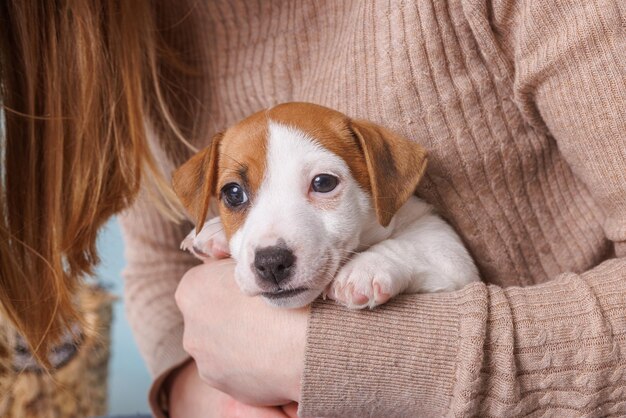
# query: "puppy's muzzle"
[273,266]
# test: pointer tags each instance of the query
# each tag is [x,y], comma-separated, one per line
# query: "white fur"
[210,242]
[342,251]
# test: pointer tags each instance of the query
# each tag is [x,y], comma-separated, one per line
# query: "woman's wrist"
[190,397]
[169,381]
[175,384]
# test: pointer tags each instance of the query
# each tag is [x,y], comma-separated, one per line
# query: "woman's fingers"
[241,345]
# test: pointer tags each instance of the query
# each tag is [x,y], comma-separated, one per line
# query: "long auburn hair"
[78,80]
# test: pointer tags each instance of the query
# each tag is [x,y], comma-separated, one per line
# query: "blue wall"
[129,380]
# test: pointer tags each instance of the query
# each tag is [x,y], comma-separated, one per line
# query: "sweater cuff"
[168,359]
[396,360]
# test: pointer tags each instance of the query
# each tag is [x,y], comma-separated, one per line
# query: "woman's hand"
[241,345]
[190,397]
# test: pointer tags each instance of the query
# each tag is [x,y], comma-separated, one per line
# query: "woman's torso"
[416,68]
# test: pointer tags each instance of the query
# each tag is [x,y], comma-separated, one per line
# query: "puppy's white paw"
[368,280]
[210,242]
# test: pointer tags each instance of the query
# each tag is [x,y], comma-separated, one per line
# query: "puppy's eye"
[234,195]
[324,183]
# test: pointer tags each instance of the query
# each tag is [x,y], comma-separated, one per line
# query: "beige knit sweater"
[522,106]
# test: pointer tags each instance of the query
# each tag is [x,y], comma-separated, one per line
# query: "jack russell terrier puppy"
[312,202]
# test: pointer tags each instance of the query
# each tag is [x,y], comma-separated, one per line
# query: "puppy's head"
[295,186]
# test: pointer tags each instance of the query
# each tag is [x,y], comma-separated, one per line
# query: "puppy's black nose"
[274,264]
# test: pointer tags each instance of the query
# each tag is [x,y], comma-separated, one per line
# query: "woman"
[519,104]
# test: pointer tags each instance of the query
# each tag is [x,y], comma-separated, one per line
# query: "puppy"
[312,202]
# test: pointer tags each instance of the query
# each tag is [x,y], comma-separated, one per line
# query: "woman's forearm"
[482,351]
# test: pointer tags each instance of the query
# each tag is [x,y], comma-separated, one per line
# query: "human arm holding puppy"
[178,387]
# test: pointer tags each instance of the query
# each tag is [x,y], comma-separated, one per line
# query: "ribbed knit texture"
[522,106]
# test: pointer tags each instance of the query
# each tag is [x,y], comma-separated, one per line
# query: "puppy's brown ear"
[395,166]
[195,181]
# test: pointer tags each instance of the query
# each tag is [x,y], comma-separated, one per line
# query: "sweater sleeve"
[154,266]
[557,348]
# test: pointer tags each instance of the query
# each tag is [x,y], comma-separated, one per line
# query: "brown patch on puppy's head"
[235,156]
[329,128]
[382,162]
[386,164]
[242,161]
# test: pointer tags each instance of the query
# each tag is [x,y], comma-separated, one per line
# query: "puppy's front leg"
[422,254]
[209,242]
